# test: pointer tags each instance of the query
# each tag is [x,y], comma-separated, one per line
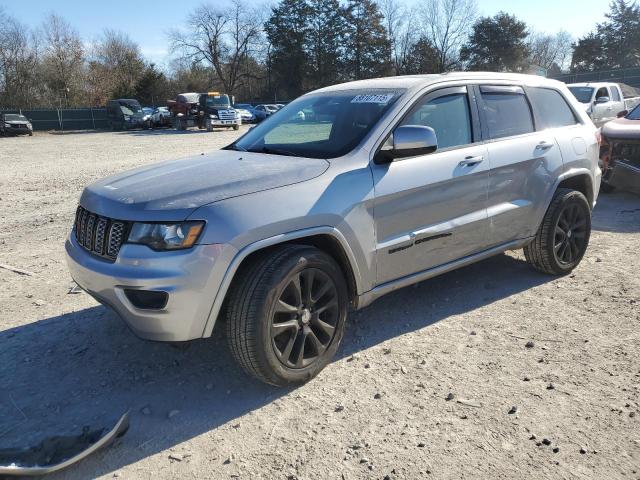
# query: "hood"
[17,122]
[173,190]
[622,129]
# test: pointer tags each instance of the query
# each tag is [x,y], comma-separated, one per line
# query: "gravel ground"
[423,385]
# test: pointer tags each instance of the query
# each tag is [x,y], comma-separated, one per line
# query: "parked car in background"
[246,114]
[148,113]
[603,101]
[161,117]
[15,124]
[385,183]
[125,114]
[263,111]
[620,152]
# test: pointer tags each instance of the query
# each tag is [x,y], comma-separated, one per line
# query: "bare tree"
[550,51]
[116,66]
[222,38]
[446,24]
[63,60]
[401,28]
[18,64]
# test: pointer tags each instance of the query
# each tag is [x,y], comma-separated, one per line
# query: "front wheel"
[563,237]
[286,314]
[236,127]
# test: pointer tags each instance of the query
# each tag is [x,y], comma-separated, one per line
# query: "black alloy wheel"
[570,234]
[305,318]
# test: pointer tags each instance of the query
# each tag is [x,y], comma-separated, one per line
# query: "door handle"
[544,146]
[471,161]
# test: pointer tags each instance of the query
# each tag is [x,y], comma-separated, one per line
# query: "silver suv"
[348,193]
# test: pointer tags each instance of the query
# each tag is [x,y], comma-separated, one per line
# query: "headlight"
[213,116]
[166,236]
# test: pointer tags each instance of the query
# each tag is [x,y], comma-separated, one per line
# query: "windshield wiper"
[273,151]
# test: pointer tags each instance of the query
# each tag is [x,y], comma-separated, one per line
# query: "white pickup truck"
[604,101]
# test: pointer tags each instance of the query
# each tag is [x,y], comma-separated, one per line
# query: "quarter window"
[552,109]
[449,117]
[507,114]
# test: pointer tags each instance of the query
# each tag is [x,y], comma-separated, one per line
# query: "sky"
[147,22]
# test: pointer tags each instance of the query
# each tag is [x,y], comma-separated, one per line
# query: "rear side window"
[551,108]
[449,117]
[506,113]
[615,94]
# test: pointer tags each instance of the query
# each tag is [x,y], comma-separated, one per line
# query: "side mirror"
[602,99]
[410,141]
[623,113]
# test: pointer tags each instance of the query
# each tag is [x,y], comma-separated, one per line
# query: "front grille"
[99,235]
[227,114]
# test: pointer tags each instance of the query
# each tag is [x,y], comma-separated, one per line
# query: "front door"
[431,209]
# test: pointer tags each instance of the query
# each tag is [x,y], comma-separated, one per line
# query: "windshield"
[323,125]
[583,94]
[218,101]
[129,108]
[634,114]
[12,117]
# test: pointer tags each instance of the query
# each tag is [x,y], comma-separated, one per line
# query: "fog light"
[147,299]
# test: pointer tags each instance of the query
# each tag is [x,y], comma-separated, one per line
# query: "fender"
[575,172]
[269,242]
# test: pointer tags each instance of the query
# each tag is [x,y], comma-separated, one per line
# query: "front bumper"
[188,276]
[216,122]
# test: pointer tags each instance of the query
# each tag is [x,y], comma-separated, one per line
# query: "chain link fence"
[630,76]
[64,118]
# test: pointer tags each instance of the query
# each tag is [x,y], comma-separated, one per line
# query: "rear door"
[522,162]
[431,209]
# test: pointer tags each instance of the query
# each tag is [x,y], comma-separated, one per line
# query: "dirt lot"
[379,411]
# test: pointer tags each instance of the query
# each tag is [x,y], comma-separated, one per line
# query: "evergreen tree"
[614,44]
[325,42]
[368,49]
[497,43]
[287,31]
[422,58]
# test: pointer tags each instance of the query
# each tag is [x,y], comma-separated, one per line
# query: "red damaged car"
[620,152]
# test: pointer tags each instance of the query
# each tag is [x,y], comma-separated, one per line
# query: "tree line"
[295,46]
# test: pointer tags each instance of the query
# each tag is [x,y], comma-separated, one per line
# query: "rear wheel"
[563,237]
[286,314]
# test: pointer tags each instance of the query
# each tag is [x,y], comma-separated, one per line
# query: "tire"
[267,326]
[236,127]
[563,236]
[209,125]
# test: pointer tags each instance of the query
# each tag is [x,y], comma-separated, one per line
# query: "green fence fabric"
[64,119]
[630,76]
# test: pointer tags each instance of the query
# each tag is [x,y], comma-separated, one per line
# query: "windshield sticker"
[381,99]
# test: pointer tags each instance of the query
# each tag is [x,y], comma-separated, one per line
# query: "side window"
[507,111]
[602,92]
[615,94]
[551,108]
[448,115]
